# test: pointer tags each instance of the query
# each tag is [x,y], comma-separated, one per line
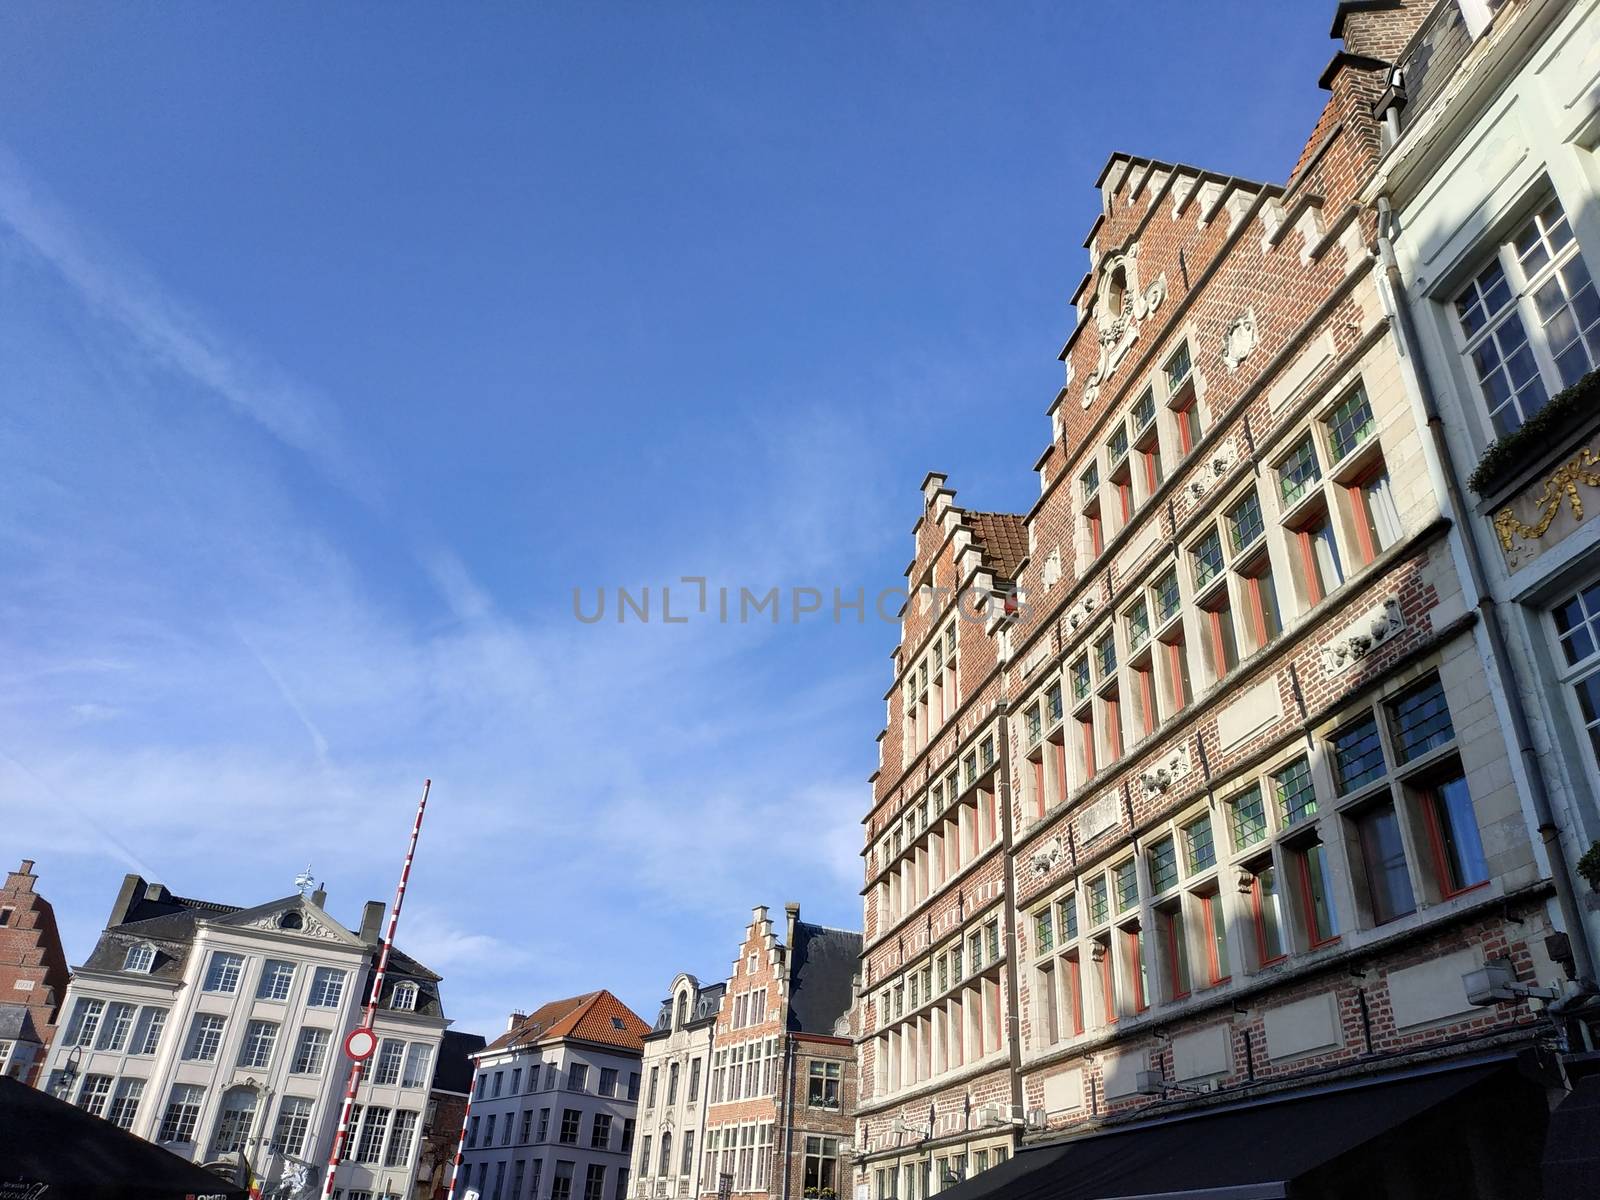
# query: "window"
[1530,320]
[627,1134]
[1214,923]
[1453,837]
[391,1053]
[1297,797]
[140,958]
[1419,720]
[1357,755]
[1202,852]
[1298,472]
[147,1036]
[1247,818]
[1322,569]
[205,1037]
[655,1080]
[93,1093]
[374,1126]
[1267,914]
[594,1182]
[1127,885]
[1372,508]
[608,1080]
[821,1166]
[633,1085]
[183,1111]
[1206,557]
[1099,907]
[260,1037]
[1350,424]
[310,1052]
[1319,920]
[499,1082]
[222,974]
[404,998]
[600,1133]
[118,1024]
[294,1120]
[823,1085]
[1163,863]
[1043,931]
[578,1078]
[571,1119]
[327,988]
[1385,878]
[1174,951]
[544,1124]
[1245,524]
[277,977]
[125,1103]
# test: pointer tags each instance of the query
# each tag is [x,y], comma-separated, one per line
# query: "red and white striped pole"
[461,1142]
[358,1065]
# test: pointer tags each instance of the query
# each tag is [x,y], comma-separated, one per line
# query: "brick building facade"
[781,1082]
[33,974]
[1193,787]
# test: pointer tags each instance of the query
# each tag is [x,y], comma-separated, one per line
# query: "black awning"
[1572,1151]
[46,1141]
[1248,1151]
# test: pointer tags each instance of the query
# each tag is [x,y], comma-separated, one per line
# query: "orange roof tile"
[1004,539]
[592,1017]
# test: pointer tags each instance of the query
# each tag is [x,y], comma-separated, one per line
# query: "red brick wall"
[31,952]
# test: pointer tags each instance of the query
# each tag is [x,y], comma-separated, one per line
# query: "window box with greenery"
[1561,417]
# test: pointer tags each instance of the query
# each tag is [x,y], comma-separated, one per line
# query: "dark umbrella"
[51,1150]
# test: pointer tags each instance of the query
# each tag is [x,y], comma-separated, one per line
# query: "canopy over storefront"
[48,1148]
[1310,1143]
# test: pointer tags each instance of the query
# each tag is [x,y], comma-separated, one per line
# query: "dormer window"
[140,958]
[404,998]
[683,1010]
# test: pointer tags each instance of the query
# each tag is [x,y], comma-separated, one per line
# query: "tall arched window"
[683,1010]
[666,1153]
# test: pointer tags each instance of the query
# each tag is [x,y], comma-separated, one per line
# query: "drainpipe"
[1012,916]
[1488,609]
[786,1101]
[705,1104]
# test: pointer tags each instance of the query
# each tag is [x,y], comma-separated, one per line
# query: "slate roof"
[16,1024]
[707,1003]
[453,1070]
[1004,539]
[597,1017]
[824,965]
[168,923]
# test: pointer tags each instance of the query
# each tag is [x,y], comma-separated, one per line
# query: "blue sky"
[339,344]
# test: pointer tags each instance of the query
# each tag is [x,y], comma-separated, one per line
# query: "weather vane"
[305,881]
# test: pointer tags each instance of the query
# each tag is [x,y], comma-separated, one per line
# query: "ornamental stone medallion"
[1120,306]
[1240,339]
[1550,508]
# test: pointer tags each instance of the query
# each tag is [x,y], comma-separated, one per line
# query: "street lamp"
[69,1072]
[1496,981]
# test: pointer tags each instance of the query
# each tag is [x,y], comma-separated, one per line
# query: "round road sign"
[361,1043]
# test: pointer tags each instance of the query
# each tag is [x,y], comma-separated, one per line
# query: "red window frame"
[1149,453]
[1061,767]
[1219,644]
[1261,927]
[1038,784]
[1096,538]
[1123,482]
[1210,906]
[1134,957]
[1147,698]
[1315,591]
[1086,729]
[1441,861]
[1176,671]
[1113,707]
[1075,982]
[1172,922]
[1186,421]
[1108,985]
[1308,903]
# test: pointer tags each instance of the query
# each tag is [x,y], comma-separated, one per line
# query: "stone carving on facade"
[1560,488]
[1362,636]
[1050,573]
[1080,612]
[1167,772]
[1047,857]
[1240,339]
[1121,304]
[1213,468]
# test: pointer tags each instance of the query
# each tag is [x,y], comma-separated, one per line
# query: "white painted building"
[217,1032]
[677,1089]
[1492,126]
[553,1104]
